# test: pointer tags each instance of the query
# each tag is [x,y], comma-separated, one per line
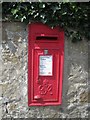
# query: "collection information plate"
[45,65]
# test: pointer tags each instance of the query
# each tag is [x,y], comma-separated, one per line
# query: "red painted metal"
[45,65]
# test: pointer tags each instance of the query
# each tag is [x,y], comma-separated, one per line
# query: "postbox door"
[46,75]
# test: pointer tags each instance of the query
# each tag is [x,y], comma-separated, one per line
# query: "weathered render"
[14,77]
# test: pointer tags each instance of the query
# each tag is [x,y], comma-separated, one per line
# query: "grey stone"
[11,46]
[14,80]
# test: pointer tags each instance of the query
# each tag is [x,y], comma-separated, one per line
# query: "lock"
[37,97]
[45,52]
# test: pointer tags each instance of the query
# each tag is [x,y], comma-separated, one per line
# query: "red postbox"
[45,65]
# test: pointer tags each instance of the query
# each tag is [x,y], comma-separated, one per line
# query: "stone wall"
[14,77]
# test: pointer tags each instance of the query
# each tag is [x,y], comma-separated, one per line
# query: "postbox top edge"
[35,25]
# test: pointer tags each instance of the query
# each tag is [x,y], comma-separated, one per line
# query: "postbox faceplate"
[45,66]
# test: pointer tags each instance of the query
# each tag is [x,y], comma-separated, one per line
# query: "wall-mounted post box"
[45,65]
